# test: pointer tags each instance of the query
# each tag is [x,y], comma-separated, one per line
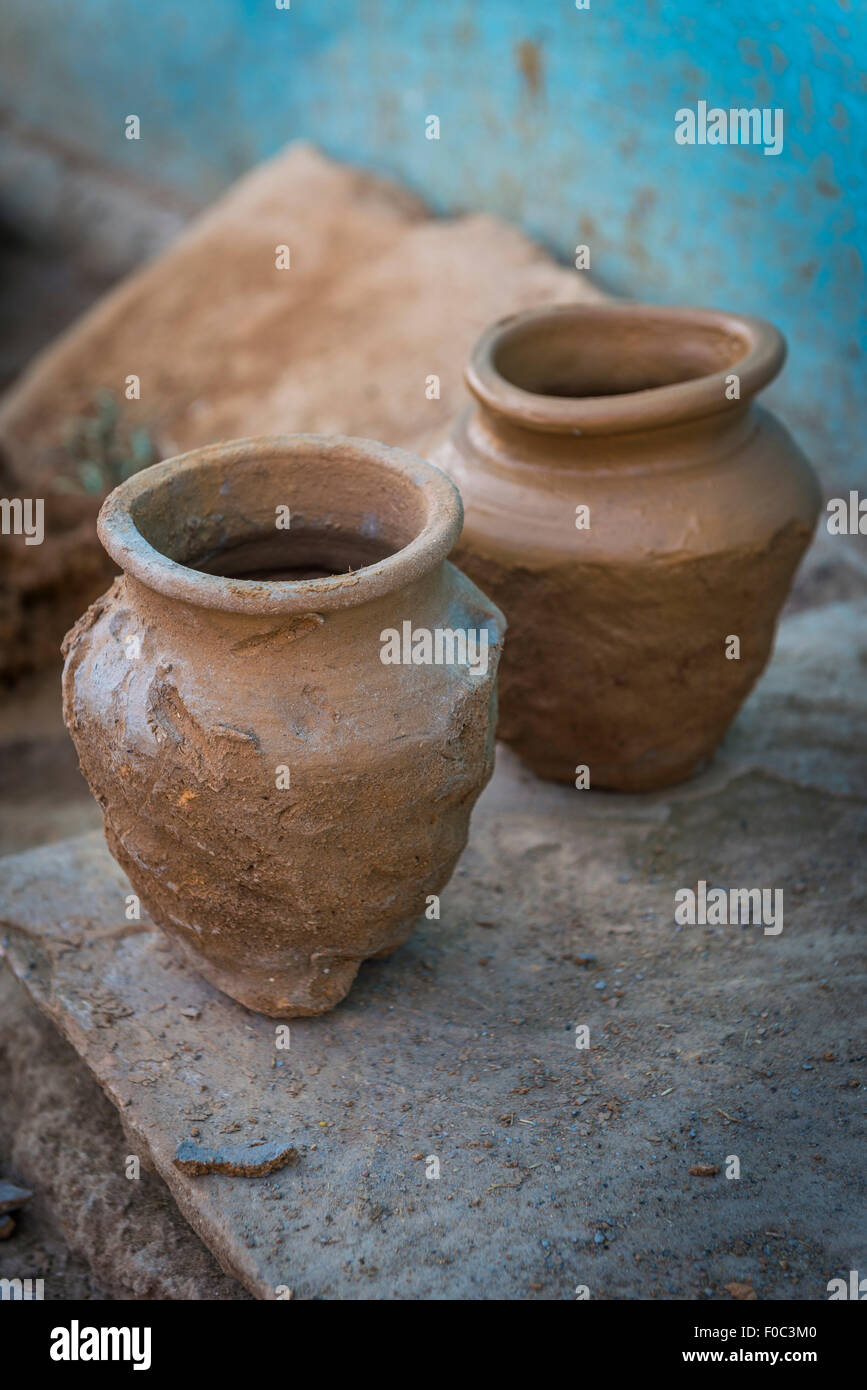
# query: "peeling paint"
[528,56]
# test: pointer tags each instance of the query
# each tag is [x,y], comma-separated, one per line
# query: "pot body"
[619,657]
[282,801]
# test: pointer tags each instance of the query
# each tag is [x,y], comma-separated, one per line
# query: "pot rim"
[124,542]
[690,399]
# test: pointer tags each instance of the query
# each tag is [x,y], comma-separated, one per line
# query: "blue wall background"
[557,118]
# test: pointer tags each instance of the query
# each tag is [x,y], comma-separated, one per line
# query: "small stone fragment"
[744,1292]
[704,1170]
[239,1160]
[7,1226]
[12,1197]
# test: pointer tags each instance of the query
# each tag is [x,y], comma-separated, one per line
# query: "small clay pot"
[283,801]
[698,504]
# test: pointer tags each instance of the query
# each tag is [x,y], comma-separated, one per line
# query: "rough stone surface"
[89,1231]
[558,1166]
[380,297]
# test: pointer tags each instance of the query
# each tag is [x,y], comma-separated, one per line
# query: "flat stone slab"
[89,1232]
[453,1140]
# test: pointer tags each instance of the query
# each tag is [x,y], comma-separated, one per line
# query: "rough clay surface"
[626,672]
[558,1166]
[279,894]
[380,297]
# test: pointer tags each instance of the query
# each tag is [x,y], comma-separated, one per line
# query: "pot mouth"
[612,368]
[314,522]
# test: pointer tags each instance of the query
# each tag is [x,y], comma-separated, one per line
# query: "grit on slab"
[558,1167]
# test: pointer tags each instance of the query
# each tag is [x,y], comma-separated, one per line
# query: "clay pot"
[699,504]
[283,802]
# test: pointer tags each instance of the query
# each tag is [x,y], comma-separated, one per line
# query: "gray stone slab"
[89,1232]
[558,1167]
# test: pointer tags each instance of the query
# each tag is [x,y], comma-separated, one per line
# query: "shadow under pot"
[285,752]
[639,519]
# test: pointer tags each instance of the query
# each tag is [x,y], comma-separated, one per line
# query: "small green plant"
[101,450]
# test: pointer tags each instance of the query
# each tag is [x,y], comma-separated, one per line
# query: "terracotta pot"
[283,802]
[700,506]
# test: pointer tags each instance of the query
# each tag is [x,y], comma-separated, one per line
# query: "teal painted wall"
[557,118]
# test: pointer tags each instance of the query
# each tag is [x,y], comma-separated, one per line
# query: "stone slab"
[379,296]
[88,1231]
[557,1166]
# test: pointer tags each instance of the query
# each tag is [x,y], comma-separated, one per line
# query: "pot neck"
[665,447]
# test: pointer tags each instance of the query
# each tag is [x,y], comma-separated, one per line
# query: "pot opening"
[282,523]
[608,368]
[610,357]
[293,555]
[279,519]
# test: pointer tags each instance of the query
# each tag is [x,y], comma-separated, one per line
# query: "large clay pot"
[700,506]
[283,802]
